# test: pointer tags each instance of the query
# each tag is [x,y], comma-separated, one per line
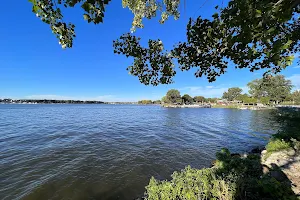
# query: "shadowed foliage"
[232,177]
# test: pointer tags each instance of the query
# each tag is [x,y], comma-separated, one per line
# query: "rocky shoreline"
[283,165]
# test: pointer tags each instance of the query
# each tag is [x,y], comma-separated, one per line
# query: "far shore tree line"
[173,97]
[48,101]
[149,102]
[267,90]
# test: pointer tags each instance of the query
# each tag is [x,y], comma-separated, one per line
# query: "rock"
[283,165]
[244,155]
[291,152]
[265,169]
[278,175]
[263,152]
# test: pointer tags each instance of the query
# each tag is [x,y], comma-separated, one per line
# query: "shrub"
[277,145]
[232,177]
[192,184]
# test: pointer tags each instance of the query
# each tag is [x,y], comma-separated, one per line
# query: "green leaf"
[86,17]
[258,13]
[35,9]
[287,45]
[86,6]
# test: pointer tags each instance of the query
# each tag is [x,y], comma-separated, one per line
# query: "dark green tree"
[232,93]
[173,96]
[242,97]
[250,33]
[187,99]
[257,88]
[157,102]
[264,100]
[276,88]
[199,99]
[296,96]
[145,102]
[164,99]
[250,100]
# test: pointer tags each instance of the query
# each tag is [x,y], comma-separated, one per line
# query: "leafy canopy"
[187,99]
[253,34]
[173,96]
[276,88]
[199,99]
[50,12]
[296,96]
[232,93]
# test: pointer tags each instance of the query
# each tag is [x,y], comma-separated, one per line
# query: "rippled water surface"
[111,151]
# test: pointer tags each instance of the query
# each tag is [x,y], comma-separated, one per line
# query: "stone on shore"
[288,161]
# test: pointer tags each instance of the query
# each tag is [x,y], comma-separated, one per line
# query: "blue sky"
[33,65]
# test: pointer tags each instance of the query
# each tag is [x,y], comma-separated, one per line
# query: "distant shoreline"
[106,103]
[55,101]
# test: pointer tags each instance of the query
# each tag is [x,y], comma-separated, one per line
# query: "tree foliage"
[187,99]
[296,96]
[151,65]
[50,12]
[157,102]
[164,99]
[265,100]
[232,93]
[242,97]
[211,100]
[199,99]
[249,33]
[145,102]
[173,96]
[276,88]
[149,8]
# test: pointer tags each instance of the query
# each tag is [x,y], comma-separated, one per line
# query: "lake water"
[111,151]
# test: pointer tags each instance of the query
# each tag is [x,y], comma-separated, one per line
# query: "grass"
[277,145]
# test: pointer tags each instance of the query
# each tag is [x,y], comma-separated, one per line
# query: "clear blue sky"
[33,65]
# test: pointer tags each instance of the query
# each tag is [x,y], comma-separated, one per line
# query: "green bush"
[277,145]
[192,184]
[233,177]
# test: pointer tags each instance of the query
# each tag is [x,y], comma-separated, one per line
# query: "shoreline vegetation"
[265,93]
[271,172]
